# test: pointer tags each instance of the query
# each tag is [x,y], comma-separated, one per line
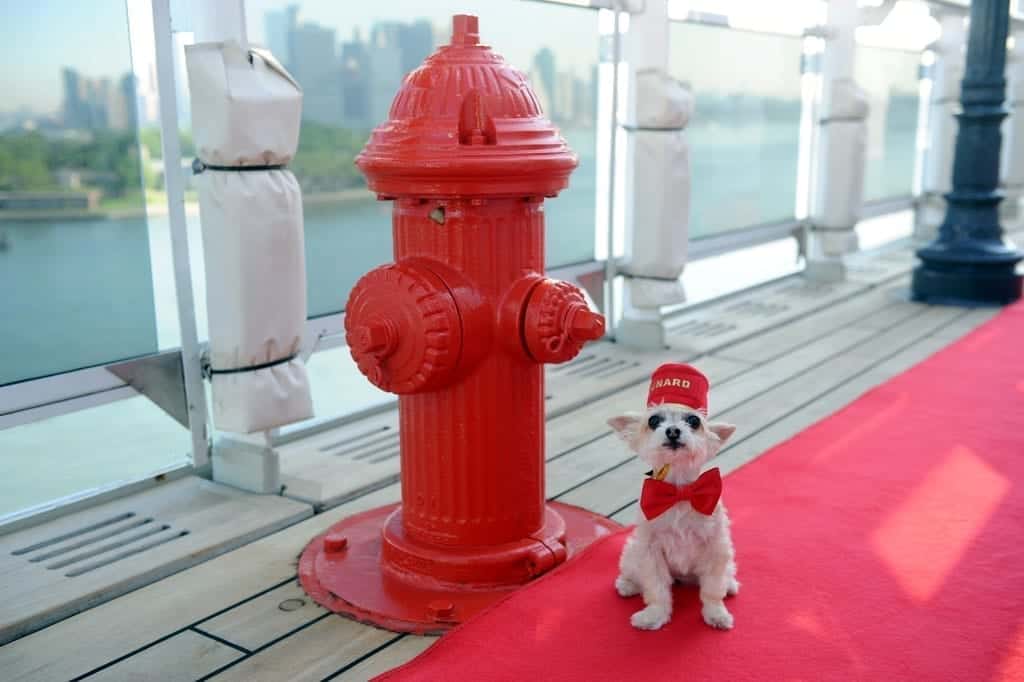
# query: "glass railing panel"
[890,78]
[745,130]
[85,271]
[88,449]
[76,286]
[350,59]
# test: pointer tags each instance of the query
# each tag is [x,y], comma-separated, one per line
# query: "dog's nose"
[673,433]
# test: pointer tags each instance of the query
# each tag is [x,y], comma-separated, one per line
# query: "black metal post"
[970,262]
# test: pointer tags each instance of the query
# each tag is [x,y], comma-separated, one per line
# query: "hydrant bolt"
[335,542]
[440,609]
[376,338]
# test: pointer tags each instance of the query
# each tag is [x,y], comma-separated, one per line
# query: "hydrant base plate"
[342,571]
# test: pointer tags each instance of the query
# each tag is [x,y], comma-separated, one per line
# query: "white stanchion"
[658,237]
[944,102]
[841,151]
[658,244]
[838,203]
[1012,157]
[246,113]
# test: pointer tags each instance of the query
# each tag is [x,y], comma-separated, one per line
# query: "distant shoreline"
[157,206]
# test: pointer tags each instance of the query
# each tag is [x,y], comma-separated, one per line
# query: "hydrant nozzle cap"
[465,29]
[586,325]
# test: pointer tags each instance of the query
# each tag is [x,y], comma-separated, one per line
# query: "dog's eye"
[694,421]
[654,421]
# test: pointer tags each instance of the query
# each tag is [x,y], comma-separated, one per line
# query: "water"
[74,293]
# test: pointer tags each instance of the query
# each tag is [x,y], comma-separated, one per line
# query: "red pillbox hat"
[678,384]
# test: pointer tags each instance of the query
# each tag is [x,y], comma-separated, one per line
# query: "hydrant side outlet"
[459,326]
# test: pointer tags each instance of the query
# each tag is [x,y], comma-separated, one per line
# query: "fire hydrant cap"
[403,328]
[466,123]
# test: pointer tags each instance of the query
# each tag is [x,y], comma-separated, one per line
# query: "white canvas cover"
[843,154]
[657,246]
[1012,158]
[243,114]
[942,125]
[246,114]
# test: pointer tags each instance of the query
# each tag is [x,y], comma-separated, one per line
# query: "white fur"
[681,544]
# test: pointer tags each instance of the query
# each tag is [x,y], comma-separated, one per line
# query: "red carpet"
[884,543]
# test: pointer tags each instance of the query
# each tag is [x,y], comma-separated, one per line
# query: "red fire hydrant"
[460,326]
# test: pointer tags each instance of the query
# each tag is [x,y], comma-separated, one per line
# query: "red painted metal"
[458,326]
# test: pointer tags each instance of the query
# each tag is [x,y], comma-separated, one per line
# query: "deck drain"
[291,604]
[703,328]
[581,359]
[757,308]
[357,439]
[808,290]
[99,544]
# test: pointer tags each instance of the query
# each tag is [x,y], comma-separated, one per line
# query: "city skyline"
[351,82]
[45,35]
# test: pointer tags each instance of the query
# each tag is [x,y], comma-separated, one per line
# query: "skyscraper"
[314,63]
[97,103]
[74,112]
[386,72]
[279,26]
[355,82]
[543,77]
[416,41]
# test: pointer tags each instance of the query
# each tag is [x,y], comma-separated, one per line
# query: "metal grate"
[704,328]
[757,308]
[354,438]
[104,543]
[621,366]
[868,269]
[581,359]
[897,257]
[374,445]
[808,290]
[584,369]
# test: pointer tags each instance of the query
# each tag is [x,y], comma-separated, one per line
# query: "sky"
[39,37]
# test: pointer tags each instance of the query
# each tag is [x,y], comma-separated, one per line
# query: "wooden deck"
[779,357]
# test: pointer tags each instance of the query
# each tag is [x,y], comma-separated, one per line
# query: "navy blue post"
[970,262]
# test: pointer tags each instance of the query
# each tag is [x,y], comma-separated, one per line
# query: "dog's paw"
[651,618]
[717,616]
[626,587]
[733,588]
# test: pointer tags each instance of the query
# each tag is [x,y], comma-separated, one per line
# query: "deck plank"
[400,652]
[185,657]
[787,427]
[317,652]
[262,620]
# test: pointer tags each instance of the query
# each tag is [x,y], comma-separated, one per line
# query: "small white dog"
[682,532]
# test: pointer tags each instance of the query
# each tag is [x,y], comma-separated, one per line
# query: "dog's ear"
[627,426]
[720,432]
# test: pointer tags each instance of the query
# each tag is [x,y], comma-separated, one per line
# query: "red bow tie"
[658,497]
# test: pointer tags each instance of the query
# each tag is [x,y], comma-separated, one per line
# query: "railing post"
[971,261]
[195,392]
[1013,143]
[657,181]
[839,166]
[944,101]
